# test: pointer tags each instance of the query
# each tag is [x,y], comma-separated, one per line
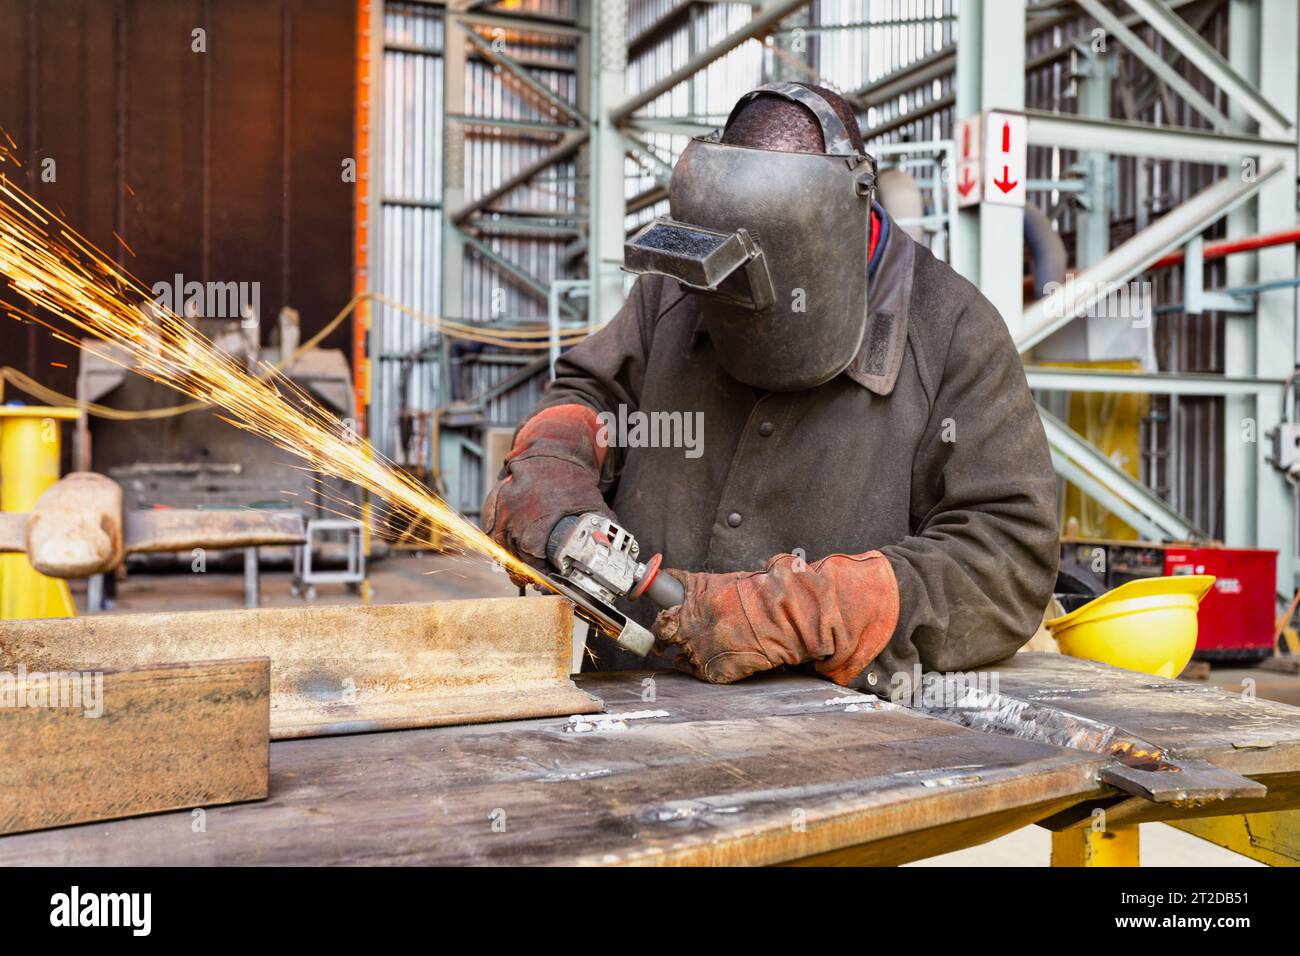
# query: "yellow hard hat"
[1147,625]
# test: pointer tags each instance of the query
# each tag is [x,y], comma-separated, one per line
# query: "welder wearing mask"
[874,488]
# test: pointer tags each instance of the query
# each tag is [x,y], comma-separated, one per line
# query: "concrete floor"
[409,577]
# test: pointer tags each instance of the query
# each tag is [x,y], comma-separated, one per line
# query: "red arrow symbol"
[967,184]
[1006,183]
[1006,137]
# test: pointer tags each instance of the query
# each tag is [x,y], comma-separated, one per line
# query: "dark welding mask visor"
[728,266]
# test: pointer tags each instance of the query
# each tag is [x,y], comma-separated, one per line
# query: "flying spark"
[57,270]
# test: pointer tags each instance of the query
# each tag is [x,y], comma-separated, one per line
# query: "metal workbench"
[776,769]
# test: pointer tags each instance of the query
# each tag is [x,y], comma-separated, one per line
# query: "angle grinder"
[596,563]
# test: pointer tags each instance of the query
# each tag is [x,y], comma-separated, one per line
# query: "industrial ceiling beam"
[1090,288]
[1180,35]
[1126,138]
[935,66]
[523,76]
[1154,62]
[1084,465]
[519,20]
[673,126]
[521,275]
[493,122]
[940,64]
[566,147]
[1054,379]
[943,62]
[756,27]
[1100,492]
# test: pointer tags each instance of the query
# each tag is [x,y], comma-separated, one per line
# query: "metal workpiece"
[1135,765]
[340,669]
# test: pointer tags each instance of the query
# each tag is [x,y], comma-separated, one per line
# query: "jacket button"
[766,429]
[734,519]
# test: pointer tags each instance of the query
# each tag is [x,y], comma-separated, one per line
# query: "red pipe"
[1228,247]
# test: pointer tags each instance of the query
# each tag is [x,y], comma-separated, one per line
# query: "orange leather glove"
[838,612]
[553,470]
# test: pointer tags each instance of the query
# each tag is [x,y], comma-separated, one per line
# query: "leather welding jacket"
[927,448]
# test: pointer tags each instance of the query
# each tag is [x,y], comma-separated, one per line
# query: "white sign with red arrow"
[968,161]
[1005,164]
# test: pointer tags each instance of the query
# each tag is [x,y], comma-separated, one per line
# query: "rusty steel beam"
[182,529]
[342,670]
[97,746]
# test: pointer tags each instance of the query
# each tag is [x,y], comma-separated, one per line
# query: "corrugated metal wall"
[405,350]
[410,236]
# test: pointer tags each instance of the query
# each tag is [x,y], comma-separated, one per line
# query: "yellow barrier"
[29,463]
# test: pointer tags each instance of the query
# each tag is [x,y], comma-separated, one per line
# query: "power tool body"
[596,563]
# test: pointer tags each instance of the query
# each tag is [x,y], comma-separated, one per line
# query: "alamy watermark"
[71,690]
[210,300]
[1129,301]
[133,911]
[633,428]
[956,690]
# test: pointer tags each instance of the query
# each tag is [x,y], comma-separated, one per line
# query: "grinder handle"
[666,591]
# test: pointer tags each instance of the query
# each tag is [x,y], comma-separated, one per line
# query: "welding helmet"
[775,244]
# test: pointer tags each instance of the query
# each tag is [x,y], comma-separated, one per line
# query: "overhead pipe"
[1230,247]
[1046,249]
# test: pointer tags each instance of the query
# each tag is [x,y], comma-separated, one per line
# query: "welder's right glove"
[838,613]
[552,471]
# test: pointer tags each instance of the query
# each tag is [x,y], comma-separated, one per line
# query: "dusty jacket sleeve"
[607,369]
[977,570]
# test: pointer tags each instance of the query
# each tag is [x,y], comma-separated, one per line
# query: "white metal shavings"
[588,723]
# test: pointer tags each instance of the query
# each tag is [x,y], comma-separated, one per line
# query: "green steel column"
[606,151]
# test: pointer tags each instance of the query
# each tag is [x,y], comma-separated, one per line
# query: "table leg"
[1117,846]
[1272,838]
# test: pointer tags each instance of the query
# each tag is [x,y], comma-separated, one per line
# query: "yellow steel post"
[29,463]
[1117,846]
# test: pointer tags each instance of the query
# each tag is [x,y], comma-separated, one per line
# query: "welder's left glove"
[838,612]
